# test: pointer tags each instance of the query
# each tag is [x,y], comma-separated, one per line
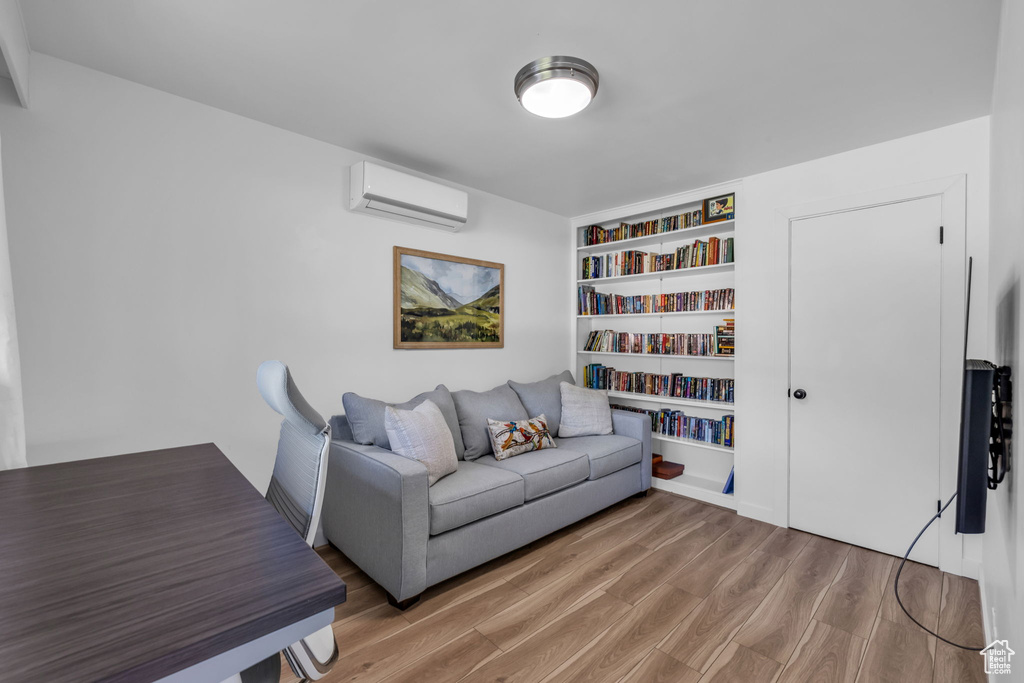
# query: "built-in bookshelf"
[656,310]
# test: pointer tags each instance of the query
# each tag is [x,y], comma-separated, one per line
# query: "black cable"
[896,583]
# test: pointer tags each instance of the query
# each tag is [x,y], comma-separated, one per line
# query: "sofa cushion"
[421,434]
[366,416]
[584,411]
[544,471]
[475,407]
[608,453]
[470,493]
[510,438]
[543,397]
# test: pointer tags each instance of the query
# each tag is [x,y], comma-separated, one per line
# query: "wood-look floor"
[665,589]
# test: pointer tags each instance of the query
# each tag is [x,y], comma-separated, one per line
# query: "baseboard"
[986,614]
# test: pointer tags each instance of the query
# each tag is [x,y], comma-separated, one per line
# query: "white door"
[864,354]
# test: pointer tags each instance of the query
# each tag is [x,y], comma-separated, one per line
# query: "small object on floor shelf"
[655,459]
[728,482]
[667,470]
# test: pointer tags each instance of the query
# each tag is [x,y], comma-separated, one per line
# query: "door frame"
[953,193]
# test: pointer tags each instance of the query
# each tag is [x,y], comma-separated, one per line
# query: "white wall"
[12,409]
[762,281]
[1003,551]
[162,248]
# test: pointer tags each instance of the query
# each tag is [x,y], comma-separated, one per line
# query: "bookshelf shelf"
[661,274]
[706,490]
[671,356]
[673,401]
[707,464]
[726,313]
[692,442]
[720,229]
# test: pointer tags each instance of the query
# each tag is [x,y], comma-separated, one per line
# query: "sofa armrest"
[376,512]
[636,426]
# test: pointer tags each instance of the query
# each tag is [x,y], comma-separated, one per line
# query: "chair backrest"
[300,470]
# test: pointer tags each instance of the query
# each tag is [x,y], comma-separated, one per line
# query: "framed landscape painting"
[448,302]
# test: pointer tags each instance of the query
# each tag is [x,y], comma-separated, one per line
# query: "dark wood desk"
[134,567]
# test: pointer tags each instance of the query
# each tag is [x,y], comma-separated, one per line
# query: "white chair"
[297,492]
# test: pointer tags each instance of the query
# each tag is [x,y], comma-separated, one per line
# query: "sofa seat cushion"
[544,471]
[608,453]
[470,493]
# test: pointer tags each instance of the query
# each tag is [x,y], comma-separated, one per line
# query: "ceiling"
[692,92]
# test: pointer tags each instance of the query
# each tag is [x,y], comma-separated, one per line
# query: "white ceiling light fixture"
[556,87]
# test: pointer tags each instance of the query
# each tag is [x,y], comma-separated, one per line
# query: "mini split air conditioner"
[387,193]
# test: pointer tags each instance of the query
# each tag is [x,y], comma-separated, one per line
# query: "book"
[592,302]
[728,488]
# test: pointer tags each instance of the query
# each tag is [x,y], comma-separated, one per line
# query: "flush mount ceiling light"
[556,87]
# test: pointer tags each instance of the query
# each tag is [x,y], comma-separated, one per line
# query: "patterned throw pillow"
[513,437]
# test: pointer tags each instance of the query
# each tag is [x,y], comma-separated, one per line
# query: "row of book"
[656,343]
[725,338]
[701,253]
[674,385]
[595,234]
[678,424]
[592,302]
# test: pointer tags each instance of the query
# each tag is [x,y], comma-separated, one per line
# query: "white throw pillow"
[584,411]
[422,434]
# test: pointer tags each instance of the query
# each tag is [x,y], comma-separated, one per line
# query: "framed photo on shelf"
[721,208]
[447,302]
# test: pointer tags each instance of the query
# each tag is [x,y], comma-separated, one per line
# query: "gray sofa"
[379,511]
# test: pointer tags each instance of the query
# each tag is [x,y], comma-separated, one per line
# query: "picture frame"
[447,302]
[720,208]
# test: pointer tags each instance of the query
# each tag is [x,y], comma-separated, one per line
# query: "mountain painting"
[447,302]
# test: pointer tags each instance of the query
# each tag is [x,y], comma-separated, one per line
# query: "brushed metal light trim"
[556,67]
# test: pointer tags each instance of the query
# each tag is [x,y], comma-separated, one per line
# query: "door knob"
[799,393]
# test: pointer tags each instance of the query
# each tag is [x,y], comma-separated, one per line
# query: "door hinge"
[789,392]
[941,231]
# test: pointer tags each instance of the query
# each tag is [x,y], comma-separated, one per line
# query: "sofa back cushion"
[584,411]
[422,434]
[543,397]
[474,408]
[366,416]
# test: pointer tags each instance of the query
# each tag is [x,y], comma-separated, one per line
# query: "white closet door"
[864,346]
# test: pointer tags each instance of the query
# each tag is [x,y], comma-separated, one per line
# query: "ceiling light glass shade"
[556,87]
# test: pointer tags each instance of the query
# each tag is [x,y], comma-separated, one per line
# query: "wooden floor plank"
[384,657]
[960,611]
[920,591]
[779,622]
[658,667]
[526,617]
[954,665]
[672,523]
[897,654]
[701,575]
[616,651]
[655,569]
[450,662]
[852,602]
[785,543]
[738,664]
[546,650]
[960,621]
[704,634]
[825,654]
[604,589]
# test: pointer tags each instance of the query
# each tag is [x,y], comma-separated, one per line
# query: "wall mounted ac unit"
[387,193]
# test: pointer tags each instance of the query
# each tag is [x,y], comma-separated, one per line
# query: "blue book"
[728,482]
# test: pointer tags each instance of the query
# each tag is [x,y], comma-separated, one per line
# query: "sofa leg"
[403,604]
[642,494]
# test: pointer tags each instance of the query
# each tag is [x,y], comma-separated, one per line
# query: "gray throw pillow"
[422,434]
[476,407]
[544,397]
[584,411]
[366,416]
